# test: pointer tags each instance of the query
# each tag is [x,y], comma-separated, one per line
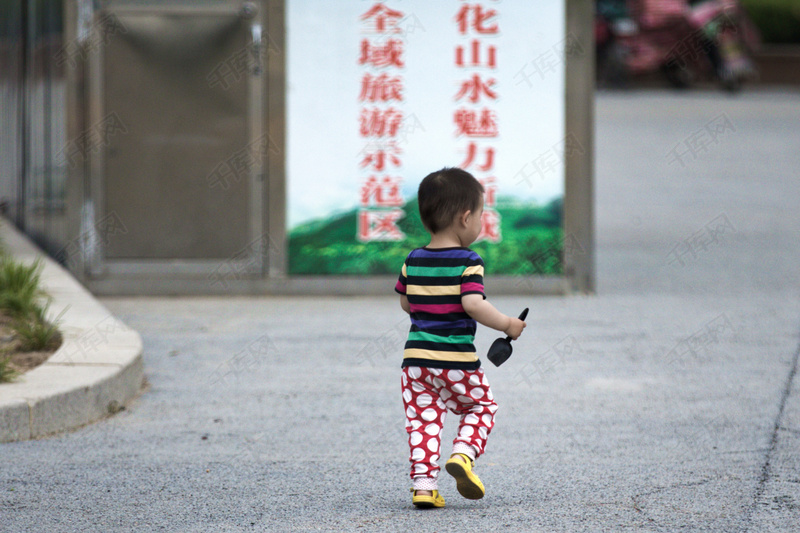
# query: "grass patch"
[35,333]
[27,338]
[7,371]
[20,290]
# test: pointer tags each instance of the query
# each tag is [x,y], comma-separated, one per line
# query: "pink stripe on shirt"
[437,309]
[471,287]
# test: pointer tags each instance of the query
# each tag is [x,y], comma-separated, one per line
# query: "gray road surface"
[667,402]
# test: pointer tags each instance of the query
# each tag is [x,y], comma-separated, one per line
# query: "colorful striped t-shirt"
[442,333]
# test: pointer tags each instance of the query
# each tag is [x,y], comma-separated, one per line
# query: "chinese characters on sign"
[475,117]
[380,122]
[381,115]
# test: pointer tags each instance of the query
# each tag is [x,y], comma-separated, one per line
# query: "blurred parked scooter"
[710,38]
[728,37]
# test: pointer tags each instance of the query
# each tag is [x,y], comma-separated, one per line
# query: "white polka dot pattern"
[428,393]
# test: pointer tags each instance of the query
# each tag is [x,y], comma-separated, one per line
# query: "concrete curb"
[95,372]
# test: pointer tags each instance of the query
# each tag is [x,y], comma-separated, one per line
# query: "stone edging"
[95,372]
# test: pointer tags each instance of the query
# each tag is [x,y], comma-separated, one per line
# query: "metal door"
[176,145]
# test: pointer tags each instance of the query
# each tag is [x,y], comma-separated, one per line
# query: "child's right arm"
[485,313]
[404,303]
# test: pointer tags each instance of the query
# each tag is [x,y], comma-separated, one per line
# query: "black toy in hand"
[501,349]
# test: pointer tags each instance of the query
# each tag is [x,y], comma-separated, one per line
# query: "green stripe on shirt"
[434,271]
[430,337]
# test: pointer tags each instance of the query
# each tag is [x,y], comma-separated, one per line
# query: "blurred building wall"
[32,120]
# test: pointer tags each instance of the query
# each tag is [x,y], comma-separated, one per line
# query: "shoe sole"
[426,504]
[466,486]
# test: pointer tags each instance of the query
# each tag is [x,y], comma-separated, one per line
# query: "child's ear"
[465,218]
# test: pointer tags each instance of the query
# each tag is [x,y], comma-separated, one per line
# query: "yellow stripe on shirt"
[473,270]
[435,355]
[433,290]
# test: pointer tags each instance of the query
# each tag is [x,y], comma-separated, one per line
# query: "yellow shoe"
[468,484]
[427,502]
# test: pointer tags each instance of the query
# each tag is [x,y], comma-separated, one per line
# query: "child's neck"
[445,239]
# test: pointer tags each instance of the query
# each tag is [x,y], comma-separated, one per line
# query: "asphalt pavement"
[668,401]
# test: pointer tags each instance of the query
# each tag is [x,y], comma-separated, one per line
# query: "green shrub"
[19,287]
[23,300]
[778,20]
[35,333]
[532,240]
[7,373]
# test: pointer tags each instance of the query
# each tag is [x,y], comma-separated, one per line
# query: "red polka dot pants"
[428,393]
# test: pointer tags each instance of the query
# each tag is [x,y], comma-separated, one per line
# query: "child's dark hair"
[445,194]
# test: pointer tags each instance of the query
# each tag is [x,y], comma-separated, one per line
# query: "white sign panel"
[382,93]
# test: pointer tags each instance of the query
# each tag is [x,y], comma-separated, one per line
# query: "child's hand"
[515,327]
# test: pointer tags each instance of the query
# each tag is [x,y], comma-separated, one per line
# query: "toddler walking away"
[441,288]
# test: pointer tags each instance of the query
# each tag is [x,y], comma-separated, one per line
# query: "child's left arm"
[485,313]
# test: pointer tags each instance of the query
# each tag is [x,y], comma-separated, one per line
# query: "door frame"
[263,256]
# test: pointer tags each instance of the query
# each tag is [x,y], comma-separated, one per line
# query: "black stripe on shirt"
[450,365]
[440,346]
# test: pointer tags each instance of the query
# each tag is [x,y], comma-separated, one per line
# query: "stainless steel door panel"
[177,94]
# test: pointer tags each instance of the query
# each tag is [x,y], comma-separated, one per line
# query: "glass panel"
[40,131]
[11,101]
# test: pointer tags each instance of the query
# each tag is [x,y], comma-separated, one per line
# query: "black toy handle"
[522,316]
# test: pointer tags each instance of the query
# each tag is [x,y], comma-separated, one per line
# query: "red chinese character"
[389,54]
[490,226]
[378,155]
[385,18]
[490,188]
[381,88]
[478,21]
[472,151]
[475,57]
[382,193]
[472,124]
[475,86]
[380,122]
[380,225]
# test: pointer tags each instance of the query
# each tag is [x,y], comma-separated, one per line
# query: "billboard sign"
[379,94]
